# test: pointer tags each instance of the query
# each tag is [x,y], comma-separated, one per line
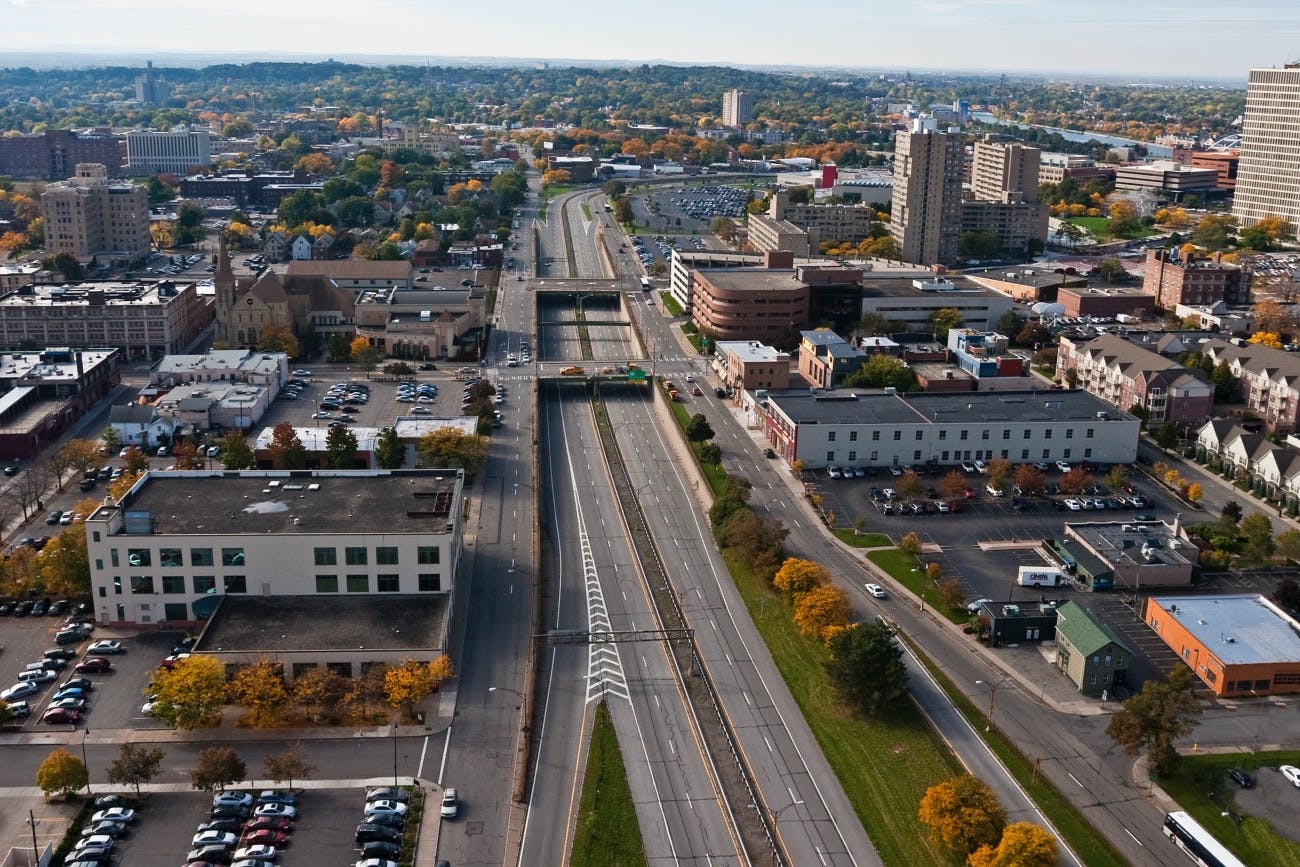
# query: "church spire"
[224,282]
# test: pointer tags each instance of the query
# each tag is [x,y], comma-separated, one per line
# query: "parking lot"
[381,410]
[116,697]
[322,833]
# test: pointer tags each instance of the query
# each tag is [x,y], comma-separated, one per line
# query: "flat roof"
[316,438]
[952,285]
[849,406]
[220,360]
[112,293]
[1123,542]
[40,366]
[252,501]
[386,621]
[413,427]
[751,350]
[1240,629]
[754,279]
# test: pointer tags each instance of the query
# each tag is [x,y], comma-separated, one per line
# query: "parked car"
[381,849]
[450,803]
[275,796]
[388,793]
[876,590]
[115,814]
[214,837]
[1240,778]
[283,810]
[257,852]
[242,799]
[61,716]
[104,647]
[93,664]
[1291,773]
[227,824]
[210,855]
[267,837]
[368,832]
[268,823]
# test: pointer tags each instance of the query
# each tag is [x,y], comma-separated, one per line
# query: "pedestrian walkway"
[230,732]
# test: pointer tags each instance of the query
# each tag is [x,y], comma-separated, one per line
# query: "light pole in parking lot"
[85,761]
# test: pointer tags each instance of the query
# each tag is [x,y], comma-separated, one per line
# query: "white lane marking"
[419,770]
[442,766]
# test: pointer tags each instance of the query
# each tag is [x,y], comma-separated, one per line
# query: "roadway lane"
[812,814]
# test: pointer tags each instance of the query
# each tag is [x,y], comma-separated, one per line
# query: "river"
[1154,150]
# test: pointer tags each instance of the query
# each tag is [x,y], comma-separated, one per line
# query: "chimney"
[777,259]
[1178,523]
[81,366]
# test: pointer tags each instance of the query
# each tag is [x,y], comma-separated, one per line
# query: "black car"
[370,832]
[428,367]
[59,653]
[6,608]
[381,849]
[107,802]
[57,607]
[22,609]
[229,811]
[12,470]
[210,854]
[1241,779]
[40,607]
[228,824]
[391,820]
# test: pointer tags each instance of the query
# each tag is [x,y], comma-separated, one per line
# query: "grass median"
[863,540]
[607,833]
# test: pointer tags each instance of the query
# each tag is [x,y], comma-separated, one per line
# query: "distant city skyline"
[1158,39]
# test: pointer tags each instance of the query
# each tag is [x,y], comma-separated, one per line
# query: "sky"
[1192,39]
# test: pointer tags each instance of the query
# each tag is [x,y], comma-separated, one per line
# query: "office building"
[145,320]
[912,301]
[1192,280]
[177,542]
[150,89]
[1168,179]
[945,429]
[747,365]
[1056,167]
[925,220]
[54,154]
[178,152]
[1225,165]
[88,216]
[42,394]
[1242,645]
[737,108]
[1268,173]
[1003,171]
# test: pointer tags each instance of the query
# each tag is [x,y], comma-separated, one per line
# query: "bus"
[645,284]
[1197,842]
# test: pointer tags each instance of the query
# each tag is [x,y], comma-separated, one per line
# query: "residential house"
[276,246]
[1127,375]
[141,425]
[825,358]
[301,248]
[1270,380]
[1273,468]
[1088,652]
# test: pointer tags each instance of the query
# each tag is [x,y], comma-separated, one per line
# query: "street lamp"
[993,694]
[85,761]
[514,692]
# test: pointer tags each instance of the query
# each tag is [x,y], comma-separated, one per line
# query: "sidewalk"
[228,731]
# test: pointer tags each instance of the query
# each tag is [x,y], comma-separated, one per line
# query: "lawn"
[552,190]
[715,474]
[586,211]
[909,571]
[607,833]
[1253,841]
[670,303]
[1100,228]
[863,540]
[885,766]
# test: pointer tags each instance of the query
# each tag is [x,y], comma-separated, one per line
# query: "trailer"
[1040,576]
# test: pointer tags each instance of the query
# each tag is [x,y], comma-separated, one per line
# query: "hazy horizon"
[1161,41]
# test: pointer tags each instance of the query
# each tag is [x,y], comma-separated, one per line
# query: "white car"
[232,799]
[974,607]
[259,852]
[1074,505]
[283,811]
[1292,774]
[387,808]
[114,814]
[833,472]
[981,467]
[889,493]
[994,491]
[100,648]
[876,590]
[1063,466]
[968,467]
[149,706]
[450,804]
[214,838]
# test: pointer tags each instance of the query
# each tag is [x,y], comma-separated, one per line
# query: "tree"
[944,320]
[1271,339]
[1030,479]
[866,669]
[1123,218]
[412,681]
[884,247]
[1112,270]
[277,338]
[1075,480]
[135,460]
[909,486]
[962,814]
[368,359]
[979,244]
[341,448]
[698,429]
[953,485]
[1117,478]
[797,577]
[390,451]
[286,449]
[998,473]
[287,766]
[821,609]
[1274,317]
[1257,537]
[1214,232]
[1023,844]
[80,455]
[65,264]
[315,163]
[135,765]
[111,438]
[556,176]
[187,457]
[64,564]
[881,371]
[61,774]
[321,688]
[910,544]
[1288,544]
[191,692]
[1227,388]
[235,453]
[1155,718]
[448,447]
[216,768]
[1194,492]
[260,688]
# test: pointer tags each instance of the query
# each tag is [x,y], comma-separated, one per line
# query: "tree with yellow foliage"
[797,577]
[962,814]
[191,692]
[1266,338]
[1022,845]
[64,564]
[277,338]
[555,177]
[315,163]
[358,345]
[820,609]
[12,240]
[260,688]
[412,681]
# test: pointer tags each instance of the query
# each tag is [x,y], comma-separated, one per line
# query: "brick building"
[1193,281]
[1126,375]
[1081,301]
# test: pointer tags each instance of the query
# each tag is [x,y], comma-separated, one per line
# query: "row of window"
[977,454]
[143,585]
[425,555]
[201,557]
[943,434]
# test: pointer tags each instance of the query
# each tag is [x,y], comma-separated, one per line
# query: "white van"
[1040,576]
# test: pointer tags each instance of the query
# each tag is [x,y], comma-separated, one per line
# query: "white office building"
[178,152]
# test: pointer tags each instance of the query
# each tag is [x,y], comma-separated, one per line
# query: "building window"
[327,557]
[430,582]
[205,583]
[943,434]
[170,557]
[387,583]
[175,611]
[853,457]
[1066,455]
[1087,453]
[916,455]
[232,557]
[428,555]
[173,583]
[944,456]
[95,534]
[139,557]
[354,556]
[1028,433]
[327,583]
[1069,433]
[141,583]
[898,435]
[1047,454]
[1047,434]
[200,556]
[358,583]
[1088,434]
[1024,454]
[235,584]
[984,434]
[385,556]
[964,433]
[1006,433]
[830,457]
[117,584]
[875,436]
[853,436]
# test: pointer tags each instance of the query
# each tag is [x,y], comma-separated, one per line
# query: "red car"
[61,716]
[268,823]
[266,837]
[93,664]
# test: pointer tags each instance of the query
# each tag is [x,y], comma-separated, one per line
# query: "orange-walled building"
[1237,645]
